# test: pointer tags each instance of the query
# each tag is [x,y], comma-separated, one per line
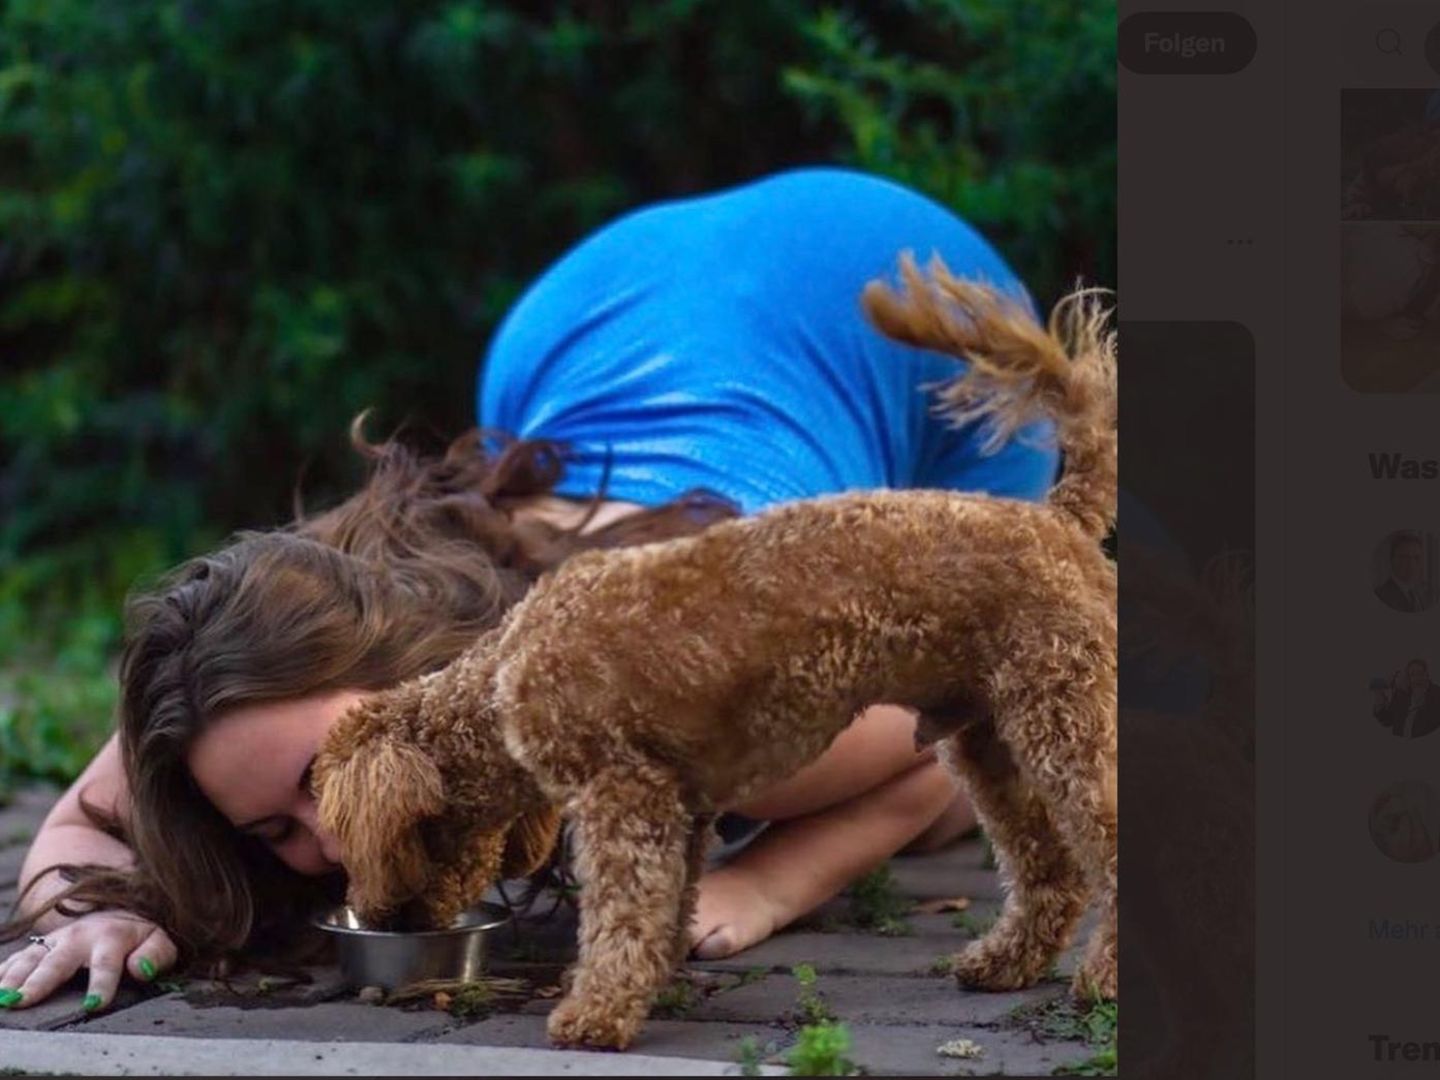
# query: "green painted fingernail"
[10,997]
[146,968]
[91,1002]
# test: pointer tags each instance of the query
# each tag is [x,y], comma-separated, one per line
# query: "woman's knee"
[878,746]
[955,820]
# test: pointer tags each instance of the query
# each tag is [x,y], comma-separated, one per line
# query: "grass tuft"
[877,906]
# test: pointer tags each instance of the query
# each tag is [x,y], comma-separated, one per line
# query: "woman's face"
[253,764]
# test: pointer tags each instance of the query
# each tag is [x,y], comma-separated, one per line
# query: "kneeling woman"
[689,362]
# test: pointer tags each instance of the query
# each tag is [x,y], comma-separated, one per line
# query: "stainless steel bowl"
[391,959]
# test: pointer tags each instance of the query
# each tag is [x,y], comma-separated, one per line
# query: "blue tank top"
[718,342]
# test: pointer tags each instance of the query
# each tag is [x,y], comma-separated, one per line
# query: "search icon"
[1388,41]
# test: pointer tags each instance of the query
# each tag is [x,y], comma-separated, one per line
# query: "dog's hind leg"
[1054,710]
[1045,886]
[631,835]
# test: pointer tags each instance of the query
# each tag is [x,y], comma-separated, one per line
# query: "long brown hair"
[392,583]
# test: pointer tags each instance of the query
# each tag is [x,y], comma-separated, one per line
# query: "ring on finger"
[39,939]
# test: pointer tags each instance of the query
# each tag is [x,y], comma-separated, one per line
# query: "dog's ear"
[372,801]
[530,841]
[462,879]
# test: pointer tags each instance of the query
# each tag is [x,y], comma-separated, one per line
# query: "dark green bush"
[228,226]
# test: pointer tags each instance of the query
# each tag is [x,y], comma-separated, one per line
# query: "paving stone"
[881,987]
[665,1038]
[957,871]
[254,989]
[911,1051]
[61,1008]
[333,1021]
[56,1011]
[873,1000]
[852,952]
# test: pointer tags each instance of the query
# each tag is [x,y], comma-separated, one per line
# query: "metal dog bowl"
[391,959]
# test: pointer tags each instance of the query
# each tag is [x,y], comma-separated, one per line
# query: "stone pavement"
[889,990]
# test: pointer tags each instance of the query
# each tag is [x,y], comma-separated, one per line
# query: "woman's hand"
[106,942]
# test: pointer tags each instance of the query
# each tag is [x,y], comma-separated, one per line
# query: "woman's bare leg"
[800,863]
[878,745]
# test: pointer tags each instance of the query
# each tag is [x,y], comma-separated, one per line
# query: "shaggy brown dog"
[641,690]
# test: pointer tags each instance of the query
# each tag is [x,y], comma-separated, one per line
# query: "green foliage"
[1006,113]
[876,904]
[229,227]
[53,718]
[820,1050]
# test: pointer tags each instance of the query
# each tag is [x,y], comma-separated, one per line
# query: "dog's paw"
[982,965]
[1095,981]
[591,1025]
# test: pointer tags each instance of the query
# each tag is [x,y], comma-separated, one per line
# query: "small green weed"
[810,1007]
[473,1001]
[876,904]
[942,965]
[1104,1062]
[749,1056]
[1096,1024]
[1102,1023]
[821,1050]
[676,1000]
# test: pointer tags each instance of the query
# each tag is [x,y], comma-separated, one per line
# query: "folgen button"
[1186,42]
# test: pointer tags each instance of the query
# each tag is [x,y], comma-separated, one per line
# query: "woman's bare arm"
[108,942]
[68,836]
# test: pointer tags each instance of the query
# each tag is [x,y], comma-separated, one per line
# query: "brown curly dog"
[639,691]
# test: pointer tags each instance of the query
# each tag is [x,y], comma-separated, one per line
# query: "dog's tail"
[1018,372]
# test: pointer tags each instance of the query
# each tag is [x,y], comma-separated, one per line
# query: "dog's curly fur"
[639,691]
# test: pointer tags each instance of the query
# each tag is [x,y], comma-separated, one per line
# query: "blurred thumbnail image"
[1405,820]
[1390,155]
[1390,285]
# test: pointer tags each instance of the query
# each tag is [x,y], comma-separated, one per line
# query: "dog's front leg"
[631,833]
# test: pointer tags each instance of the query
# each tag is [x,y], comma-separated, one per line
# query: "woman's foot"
[794,866]
[732,913]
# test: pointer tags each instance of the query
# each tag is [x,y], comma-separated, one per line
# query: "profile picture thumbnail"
[1406,701]
[1403,570]
[1405,821]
